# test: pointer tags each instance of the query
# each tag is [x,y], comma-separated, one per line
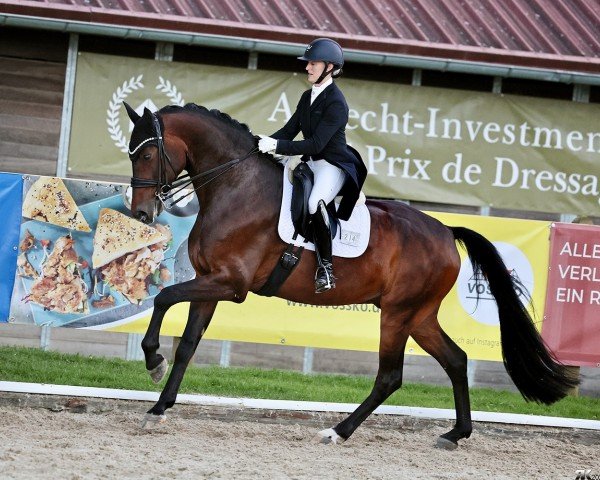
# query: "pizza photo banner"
[84,262]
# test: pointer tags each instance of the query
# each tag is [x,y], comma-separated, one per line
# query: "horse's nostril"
[142,216]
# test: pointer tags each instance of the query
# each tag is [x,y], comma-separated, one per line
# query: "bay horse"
[410,265]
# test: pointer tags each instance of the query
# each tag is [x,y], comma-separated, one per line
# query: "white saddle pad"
[351,239]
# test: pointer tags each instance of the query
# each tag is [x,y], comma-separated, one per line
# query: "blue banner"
[11,197]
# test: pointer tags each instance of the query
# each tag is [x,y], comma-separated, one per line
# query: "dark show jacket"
[323,126]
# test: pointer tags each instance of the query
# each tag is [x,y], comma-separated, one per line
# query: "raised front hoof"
[152,421]
[328,436]
[446,444]
[159,372]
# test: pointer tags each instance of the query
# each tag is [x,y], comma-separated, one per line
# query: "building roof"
[558,35]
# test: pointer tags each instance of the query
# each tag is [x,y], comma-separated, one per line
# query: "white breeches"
[329,180]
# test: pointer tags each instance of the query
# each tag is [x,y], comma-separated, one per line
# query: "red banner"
[572,319]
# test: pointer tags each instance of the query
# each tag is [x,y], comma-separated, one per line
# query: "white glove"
[267,145]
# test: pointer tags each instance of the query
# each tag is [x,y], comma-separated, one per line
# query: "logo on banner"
[474,291]
[122,92]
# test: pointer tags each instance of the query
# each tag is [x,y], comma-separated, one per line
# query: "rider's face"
[315,69]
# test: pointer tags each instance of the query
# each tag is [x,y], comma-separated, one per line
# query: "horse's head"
[156,162]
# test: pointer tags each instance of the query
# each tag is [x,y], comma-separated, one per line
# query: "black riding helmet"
[325,50]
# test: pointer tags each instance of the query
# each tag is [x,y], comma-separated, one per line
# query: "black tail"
[531,366]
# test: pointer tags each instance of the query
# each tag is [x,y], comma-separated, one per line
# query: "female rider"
[321,115]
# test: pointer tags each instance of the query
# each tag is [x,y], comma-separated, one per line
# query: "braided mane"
[201,110]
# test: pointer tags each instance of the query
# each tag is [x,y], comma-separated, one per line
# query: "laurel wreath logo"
[167,87]
[112,114]
[122,92]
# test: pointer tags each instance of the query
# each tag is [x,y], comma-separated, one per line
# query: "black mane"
[201,110]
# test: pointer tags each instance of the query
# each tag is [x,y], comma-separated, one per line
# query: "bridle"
[166,190]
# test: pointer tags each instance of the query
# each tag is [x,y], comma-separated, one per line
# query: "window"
[117,46]
[461,81]
[210,56]
[378,73]
[280,63]
[595,94]
[34,44]
[537,88]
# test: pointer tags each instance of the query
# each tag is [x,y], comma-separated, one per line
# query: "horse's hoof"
[158,372]
[151,421]
[446,444]
[328,436]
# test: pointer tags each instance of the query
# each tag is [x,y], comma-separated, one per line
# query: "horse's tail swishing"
[531,366]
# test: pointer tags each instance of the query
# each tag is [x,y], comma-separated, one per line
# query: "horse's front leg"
[199,318]
[155,362]
[203,292]
[203,288]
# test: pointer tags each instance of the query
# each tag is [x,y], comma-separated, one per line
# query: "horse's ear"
[133,116]
[147,112]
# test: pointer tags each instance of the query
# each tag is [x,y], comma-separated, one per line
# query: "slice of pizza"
[48,200]
[24,267]
[129,254]
[60,287]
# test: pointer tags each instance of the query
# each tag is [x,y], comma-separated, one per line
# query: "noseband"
[166,190]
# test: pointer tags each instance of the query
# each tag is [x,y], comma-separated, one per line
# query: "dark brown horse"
[410,265]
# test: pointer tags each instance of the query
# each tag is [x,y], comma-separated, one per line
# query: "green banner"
[419,143]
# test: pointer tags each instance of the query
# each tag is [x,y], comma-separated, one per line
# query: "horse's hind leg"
[199,318]
[389,376]
[453,360]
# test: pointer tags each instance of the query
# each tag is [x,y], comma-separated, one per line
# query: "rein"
[166,191]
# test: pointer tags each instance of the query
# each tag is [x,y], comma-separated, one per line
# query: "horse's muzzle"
[143,216]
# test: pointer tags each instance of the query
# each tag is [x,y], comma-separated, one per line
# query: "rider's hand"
[267,145]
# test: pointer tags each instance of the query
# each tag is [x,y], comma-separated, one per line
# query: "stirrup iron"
[324,279]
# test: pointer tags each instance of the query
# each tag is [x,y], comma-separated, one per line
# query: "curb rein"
[166,191]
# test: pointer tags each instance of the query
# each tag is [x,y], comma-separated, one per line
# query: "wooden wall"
[32,66]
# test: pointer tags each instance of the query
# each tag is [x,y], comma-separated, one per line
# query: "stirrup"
[324,279]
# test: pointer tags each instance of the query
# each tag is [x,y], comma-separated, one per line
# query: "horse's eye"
[147,156]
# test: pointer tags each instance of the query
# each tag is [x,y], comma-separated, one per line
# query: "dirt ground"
[74,439]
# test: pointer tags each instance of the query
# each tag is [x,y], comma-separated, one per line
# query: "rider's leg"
[324,279]
[328,182]
[329,179]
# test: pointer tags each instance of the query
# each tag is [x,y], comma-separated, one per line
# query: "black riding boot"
[324,279]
